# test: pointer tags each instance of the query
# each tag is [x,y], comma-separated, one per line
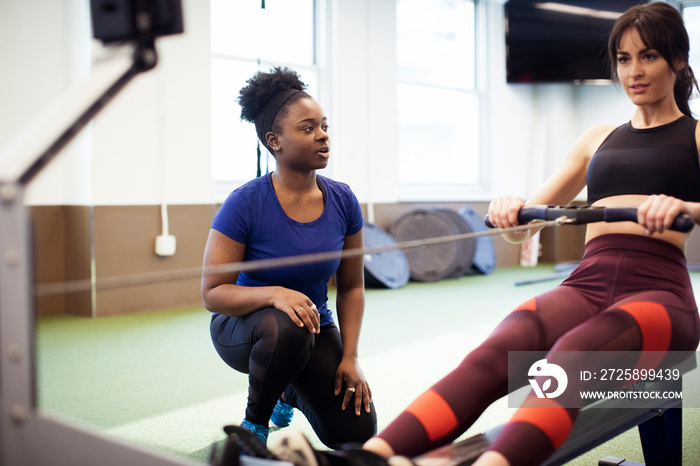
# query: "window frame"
[426,192]
[223,186]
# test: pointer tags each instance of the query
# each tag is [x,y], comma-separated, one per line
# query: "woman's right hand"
[298,307]
[503,213]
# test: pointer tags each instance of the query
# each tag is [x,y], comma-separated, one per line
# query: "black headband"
[263,124]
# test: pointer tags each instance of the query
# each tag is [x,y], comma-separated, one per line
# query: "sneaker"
[259,430]
[243,442]
[282,414]
[292,446]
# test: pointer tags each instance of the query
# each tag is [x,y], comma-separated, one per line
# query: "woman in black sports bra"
[631,291]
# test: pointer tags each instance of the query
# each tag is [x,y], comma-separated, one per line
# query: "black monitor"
[560,41]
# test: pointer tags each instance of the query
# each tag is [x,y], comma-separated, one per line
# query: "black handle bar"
[586,214]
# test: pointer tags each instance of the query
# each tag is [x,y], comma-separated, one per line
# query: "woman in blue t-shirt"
[275,324]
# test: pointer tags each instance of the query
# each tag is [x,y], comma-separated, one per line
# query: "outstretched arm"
[560,189]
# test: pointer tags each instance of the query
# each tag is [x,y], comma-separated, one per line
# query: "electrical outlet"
[165,245]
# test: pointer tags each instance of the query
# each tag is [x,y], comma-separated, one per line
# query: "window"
[691,16]
[438,100]
[246,38]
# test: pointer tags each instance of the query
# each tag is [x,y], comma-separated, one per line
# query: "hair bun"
[263,86]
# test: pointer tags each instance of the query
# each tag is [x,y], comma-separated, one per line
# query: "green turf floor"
[155,379]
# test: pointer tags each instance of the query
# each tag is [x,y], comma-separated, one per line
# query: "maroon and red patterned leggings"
[629,293]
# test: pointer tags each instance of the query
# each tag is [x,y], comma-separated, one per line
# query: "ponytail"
[685,87]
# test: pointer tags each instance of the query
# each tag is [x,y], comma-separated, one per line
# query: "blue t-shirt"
[252,215]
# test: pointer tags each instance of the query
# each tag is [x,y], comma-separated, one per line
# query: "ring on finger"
[351,389]
[298,309]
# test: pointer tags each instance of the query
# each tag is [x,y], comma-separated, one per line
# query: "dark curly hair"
[263,86]
[661,27]
[259,91]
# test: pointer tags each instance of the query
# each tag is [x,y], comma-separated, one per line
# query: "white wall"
[152,144]
[43,52]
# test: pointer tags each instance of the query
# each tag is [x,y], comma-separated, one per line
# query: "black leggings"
[629,293]
[279,356]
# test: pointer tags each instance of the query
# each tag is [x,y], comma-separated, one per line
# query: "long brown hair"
[661,27]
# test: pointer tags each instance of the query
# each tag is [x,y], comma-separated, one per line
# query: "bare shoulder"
[594,136]
[587,144]
[601,129]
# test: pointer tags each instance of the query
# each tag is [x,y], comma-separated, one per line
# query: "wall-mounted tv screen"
[560,41]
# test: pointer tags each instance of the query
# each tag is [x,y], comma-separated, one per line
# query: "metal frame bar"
[28,436]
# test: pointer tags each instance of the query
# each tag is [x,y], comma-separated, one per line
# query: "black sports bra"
[660,160]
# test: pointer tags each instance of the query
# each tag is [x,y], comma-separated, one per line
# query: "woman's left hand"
[356,386]
[657,212]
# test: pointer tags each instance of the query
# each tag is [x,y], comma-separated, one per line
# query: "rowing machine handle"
[683,223]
